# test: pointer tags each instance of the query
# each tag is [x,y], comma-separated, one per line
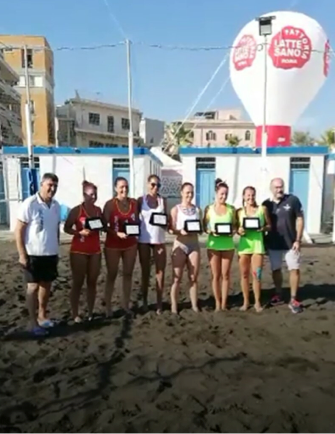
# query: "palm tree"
[328,138]
[302,138]
[176,136]
[233,141]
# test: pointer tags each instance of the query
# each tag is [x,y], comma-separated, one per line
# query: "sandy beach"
[207,372]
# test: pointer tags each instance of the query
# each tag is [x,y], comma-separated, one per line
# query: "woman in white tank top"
[186,248]
[152,239]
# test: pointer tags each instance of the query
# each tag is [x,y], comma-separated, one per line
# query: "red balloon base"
[277,135]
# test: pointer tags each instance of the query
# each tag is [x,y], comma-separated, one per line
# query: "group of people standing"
[279,233]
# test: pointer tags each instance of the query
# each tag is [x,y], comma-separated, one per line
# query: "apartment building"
[10,106]
[218,127]
[40,63]
[94,124]
[152,132]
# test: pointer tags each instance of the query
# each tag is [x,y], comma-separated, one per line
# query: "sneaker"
[295,306]
[276,300]
[46,324]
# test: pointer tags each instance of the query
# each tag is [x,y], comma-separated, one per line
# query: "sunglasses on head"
[154,184]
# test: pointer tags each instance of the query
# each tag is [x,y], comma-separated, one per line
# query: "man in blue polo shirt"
[284,240]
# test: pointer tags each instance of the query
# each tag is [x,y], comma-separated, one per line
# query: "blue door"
[299,185]
[27,178]
[205,183]
[3,204]
[120,172]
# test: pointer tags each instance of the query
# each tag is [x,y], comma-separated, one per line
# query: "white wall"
[328,195]
[13,188]
[152,132]
[240,171]
[315,194]
[189,170]
[72,170]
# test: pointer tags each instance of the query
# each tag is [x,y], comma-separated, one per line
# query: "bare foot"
[244,308]
[258,308]
[174,311]
[224,308]
[218,309]
[195,309]
[159,311]
[78,320]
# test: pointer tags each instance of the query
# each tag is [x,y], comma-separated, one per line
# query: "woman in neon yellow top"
[220,247]
[251,248]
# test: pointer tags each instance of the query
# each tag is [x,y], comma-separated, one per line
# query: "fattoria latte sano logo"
[244,52]
[290,48]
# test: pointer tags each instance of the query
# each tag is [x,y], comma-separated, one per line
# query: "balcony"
[10,115]
[8,94]
[7,73]
[10,132]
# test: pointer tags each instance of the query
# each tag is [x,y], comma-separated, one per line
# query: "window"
[227,136]
[94,118]
[29,58]
[111,145]
[125,124]
[36,81]
[32,106]
[94,144]
[247,135]
[110,124]
[120,163]
[210,135]
[32,127]
[25,162]
[22,81]
[205,163]
[300,163]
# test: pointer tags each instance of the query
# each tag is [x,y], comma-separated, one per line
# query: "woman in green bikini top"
[251,248]
[220,247]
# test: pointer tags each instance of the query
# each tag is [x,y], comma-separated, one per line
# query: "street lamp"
[265,25]
[265,30]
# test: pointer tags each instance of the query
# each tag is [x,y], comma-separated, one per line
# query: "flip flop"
[39,331]
[46,324]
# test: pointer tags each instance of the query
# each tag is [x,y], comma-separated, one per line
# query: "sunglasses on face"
[153,185]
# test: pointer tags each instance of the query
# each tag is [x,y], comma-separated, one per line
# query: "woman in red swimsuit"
[85,251]
[117,212]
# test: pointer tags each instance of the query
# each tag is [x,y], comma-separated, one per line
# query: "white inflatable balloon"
[297,66]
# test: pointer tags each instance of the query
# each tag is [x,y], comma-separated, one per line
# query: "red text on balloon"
[290,48]
[244,52]
[326,59]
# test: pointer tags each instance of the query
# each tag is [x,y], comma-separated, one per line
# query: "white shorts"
[292,259]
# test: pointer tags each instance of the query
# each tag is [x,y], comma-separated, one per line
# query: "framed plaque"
[192,226]
[94,224]
[251,223]
[132,229]
[159,219]
[223,229]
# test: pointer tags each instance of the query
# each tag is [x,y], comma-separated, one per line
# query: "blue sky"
[165,83]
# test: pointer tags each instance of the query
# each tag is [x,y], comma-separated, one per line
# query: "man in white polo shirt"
[37,240]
